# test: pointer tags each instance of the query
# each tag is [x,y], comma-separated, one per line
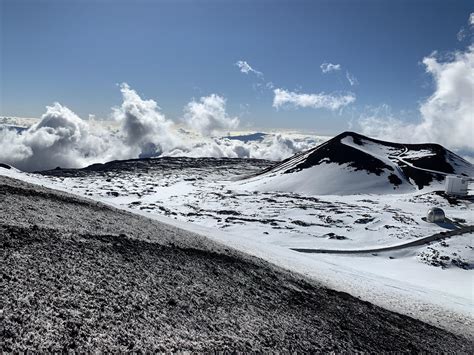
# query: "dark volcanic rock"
[334,151]
[418,164]
[253,137]
[80,276]
[147,165]
[394,179]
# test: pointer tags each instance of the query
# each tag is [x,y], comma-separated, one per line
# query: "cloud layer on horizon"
[61,138]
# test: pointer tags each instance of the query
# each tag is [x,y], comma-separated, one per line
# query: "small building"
[456,185]
[435,215]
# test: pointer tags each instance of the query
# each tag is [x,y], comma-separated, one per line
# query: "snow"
[353,164]
[325,179]
[267,224]
[380,151]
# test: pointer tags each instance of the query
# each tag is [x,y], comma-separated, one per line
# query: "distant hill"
[253,137]
[351,163]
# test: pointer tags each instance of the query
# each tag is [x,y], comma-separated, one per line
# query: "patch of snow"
[325,179]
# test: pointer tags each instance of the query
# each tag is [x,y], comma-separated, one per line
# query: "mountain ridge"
[404,166]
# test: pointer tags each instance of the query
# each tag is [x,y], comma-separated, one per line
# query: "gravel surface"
[78,275]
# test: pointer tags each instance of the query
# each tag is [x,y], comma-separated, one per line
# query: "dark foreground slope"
[79,275]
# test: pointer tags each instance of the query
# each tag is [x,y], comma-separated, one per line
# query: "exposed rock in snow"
[354,164]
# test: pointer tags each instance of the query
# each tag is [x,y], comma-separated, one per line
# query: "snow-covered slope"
[351,163]
[430,282]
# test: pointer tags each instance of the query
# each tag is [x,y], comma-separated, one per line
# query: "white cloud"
[447,116]
[60,138]
[246,68]
[329,67]
[332,102]
[208,115]
[351,79]
[471,19]
[272,147]
[13,149]
[144,127]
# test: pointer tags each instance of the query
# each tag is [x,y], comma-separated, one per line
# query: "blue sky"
[75,52]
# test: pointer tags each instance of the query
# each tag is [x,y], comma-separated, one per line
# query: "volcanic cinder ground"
[172,253]
[79,275]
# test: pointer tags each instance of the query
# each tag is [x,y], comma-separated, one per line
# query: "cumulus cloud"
[285,98]
[329,67]
[447,115]
[144,127]
[246,68]
[60,138]
[471,19]
[13,150]
[208,115]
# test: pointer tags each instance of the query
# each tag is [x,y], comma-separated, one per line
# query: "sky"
[261,57]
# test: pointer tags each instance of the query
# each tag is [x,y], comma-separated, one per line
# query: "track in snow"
[418,242]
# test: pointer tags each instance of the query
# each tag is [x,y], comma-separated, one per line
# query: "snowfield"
[430,282]
[349,194]
[110,280]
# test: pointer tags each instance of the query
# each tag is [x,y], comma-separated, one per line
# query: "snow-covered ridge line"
[354,164]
